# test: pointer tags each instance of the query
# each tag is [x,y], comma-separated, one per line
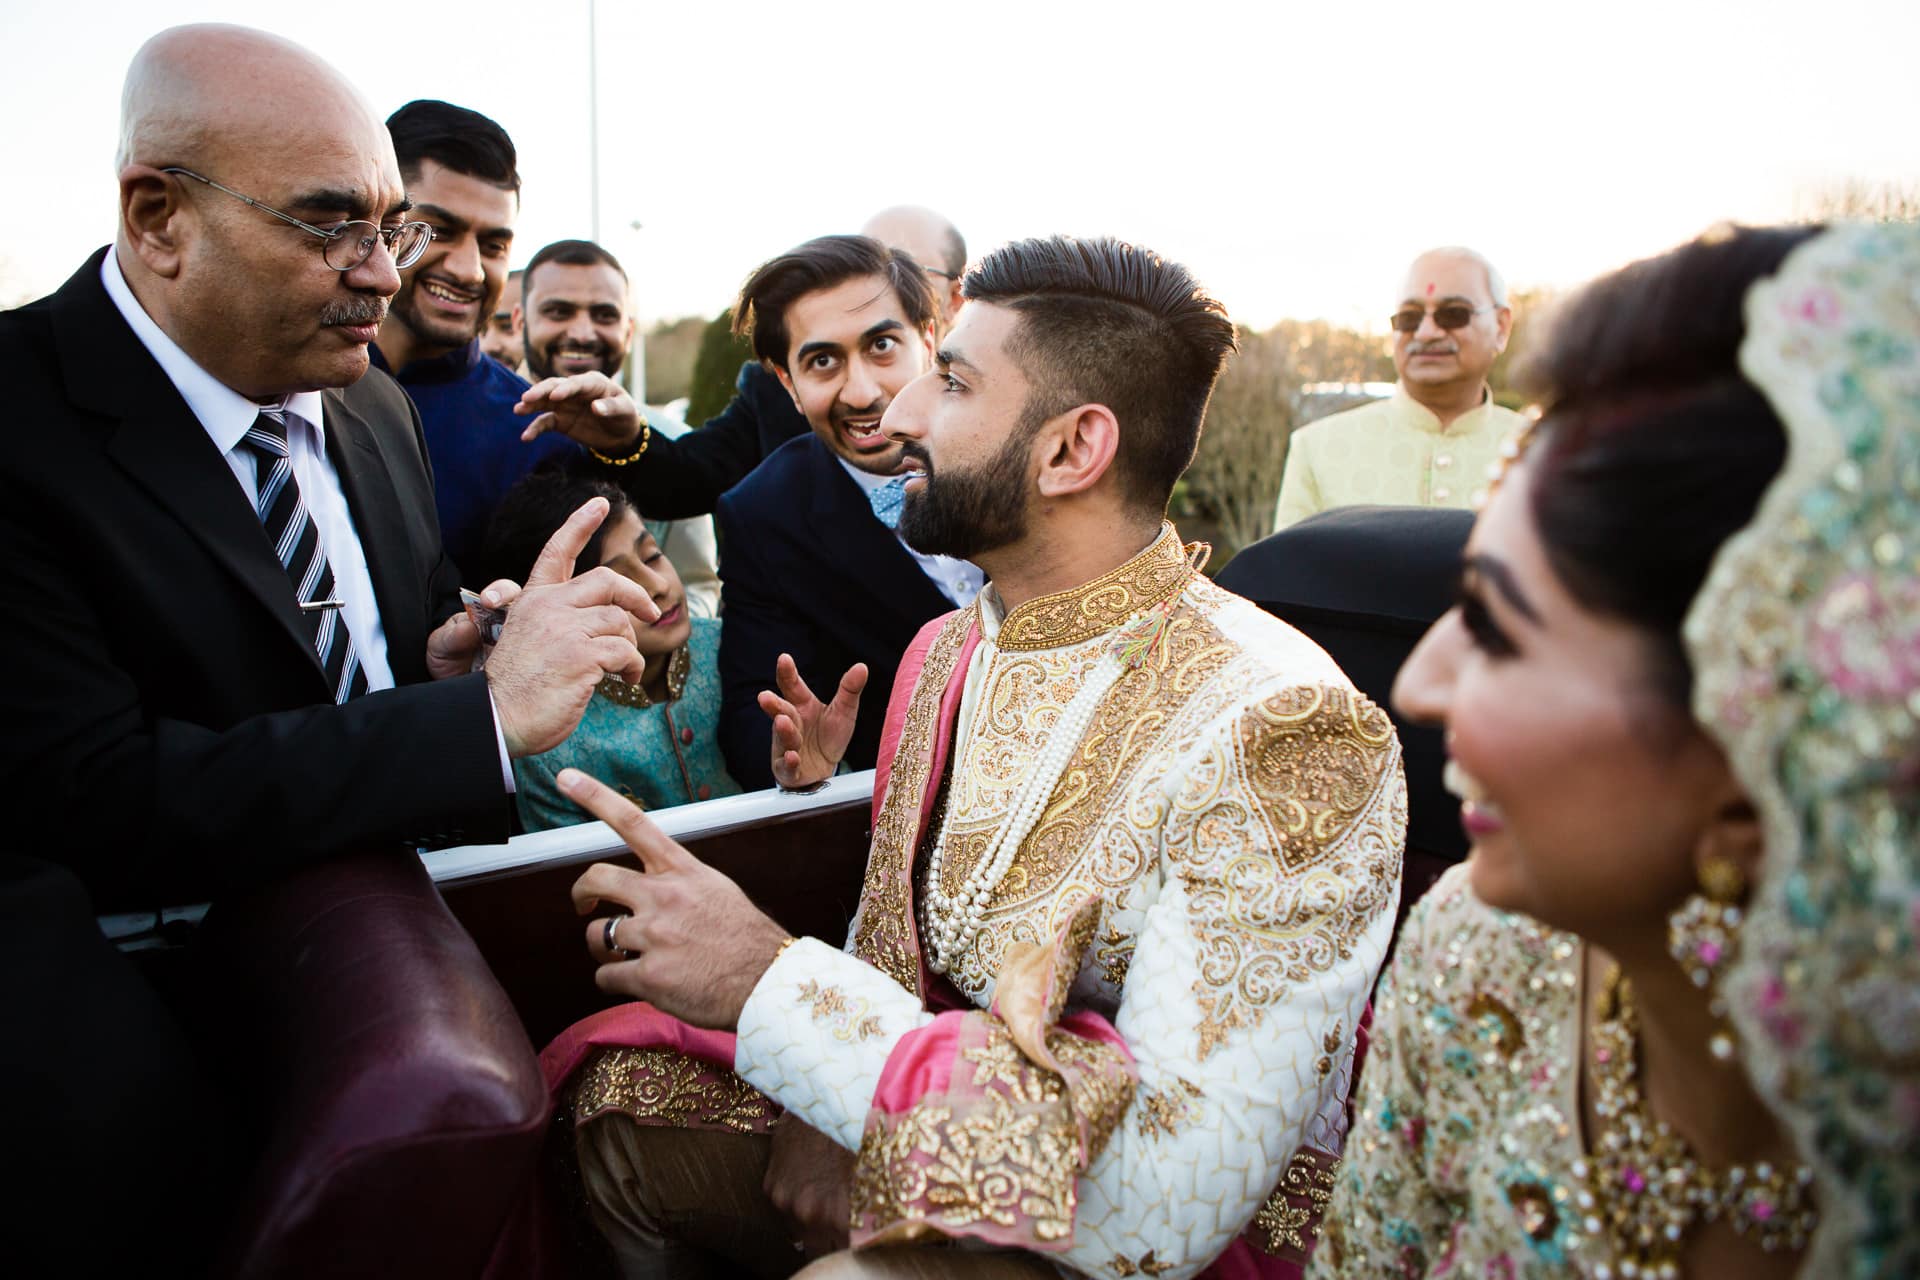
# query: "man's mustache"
[358,311]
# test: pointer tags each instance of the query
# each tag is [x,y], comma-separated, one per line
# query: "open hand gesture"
[809,736]
[590,407]
[694,945]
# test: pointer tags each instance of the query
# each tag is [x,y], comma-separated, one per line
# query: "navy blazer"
[678,479]
[170,734]
[806,569]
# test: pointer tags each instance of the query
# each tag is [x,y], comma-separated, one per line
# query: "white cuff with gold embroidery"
[816,1034]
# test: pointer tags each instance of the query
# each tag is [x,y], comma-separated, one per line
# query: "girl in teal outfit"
[657,741]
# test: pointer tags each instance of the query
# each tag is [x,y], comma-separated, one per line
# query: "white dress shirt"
[226,416]
[959,580]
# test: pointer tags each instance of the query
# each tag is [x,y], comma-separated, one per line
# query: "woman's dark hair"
[530,513]
[1652,449]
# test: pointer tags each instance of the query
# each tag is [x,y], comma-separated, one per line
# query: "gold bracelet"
[791,939]
[646,438]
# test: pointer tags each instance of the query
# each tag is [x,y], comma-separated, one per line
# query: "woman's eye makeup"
[1486,633]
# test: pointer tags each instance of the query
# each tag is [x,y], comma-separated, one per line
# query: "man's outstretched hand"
[699,946]
[810,736]
[590,407]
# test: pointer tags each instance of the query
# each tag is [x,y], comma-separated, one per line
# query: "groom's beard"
[963,511]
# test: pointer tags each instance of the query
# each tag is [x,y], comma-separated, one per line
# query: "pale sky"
[1295,155]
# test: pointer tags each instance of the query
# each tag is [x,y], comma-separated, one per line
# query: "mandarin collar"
[1092,609]
[1418,416]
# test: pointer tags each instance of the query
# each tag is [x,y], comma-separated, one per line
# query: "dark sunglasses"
[1448,315]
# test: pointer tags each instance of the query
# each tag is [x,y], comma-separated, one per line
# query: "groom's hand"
[696,946]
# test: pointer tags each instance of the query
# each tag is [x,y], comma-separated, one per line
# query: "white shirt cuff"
[500,740]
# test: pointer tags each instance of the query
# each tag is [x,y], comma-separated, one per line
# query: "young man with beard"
[460,172]
[577,316]
[1136,848]
[816,582]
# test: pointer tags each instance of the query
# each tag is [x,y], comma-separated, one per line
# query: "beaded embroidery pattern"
[1806,646]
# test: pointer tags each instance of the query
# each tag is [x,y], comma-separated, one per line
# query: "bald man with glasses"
[235,649]
[1430,443]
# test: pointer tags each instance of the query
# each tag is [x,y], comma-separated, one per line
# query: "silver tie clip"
[314,606]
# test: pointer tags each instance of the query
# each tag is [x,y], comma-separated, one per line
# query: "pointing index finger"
[568,541]
[655,849]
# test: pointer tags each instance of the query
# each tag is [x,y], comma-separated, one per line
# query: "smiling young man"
[576,313]
[1136,847]
[811,565]
[460,172]
[1430,443]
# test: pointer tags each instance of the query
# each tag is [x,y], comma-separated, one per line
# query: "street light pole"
[593,117]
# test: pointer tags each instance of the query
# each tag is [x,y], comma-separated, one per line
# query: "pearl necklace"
[950,922]
[953,921]
[1651,1188]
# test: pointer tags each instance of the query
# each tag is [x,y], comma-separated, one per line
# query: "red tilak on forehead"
[1429,288]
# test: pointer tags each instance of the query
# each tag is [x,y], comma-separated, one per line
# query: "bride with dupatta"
[1666,1021]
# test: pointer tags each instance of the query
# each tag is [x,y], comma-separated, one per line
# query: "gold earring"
[1702,935]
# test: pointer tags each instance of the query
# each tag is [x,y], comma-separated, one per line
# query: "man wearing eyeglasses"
[234,649]
[237,645]
[1430,443]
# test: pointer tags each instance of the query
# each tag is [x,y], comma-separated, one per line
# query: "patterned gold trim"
[1168,1110]
[1000,1155]
[1147,1266]
[1126,732]
[1324,766]
[1288,1223]
[1097,607]
[665,1087]
[883,929]
[679,666]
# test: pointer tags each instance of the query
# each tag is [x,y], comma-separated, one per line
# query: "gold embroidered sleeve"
[1280,854]
[1290,851]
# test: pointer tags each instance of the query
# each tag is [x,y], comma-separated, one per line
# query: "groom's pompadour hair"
[1107,322]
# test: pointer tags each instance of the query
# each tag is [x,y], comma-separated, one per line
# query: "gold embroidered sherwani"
[1157,1013]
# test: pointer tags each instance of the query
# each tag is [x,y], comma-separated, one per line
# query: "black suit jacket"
[169,731]
[683,478]
[806,569]
[1365,583]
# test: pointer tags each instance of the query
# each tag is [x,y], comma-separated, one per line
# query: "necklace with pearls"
[953,920]
[950,922]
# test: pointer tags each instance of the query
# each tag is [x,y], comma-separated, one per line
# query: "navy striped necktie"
[296,541]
